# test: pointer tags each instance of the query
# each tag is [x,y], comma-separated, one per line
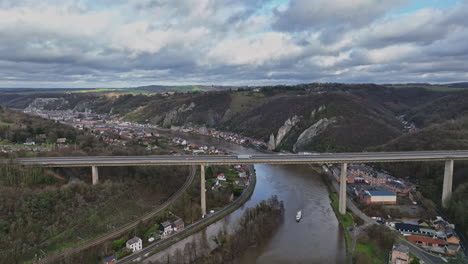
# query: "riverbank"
[254,224]
[196,227]
[301,189]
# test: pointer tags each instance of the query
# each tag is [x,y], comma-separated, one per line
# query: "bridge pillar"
[448,181]
[342,195]
[94,172]
[203,190]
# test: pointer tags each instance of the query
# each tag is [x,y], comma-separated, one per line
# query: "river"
[317,238]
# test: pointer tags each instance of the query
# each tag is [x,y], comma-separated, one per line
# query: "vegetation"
[373,245]
[429,175]
[346,221]
[253,225]
[43,213]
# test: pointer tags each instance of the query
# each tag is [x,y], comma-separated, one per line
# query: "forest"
[48,210]
[255,225]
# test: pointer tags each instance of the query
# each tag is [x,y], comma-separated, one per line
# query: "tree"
[458,259]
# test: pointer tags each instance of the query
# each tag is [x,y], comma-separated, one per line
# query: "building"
[378,197]
[61,140]
[399,187]
[166,228]
[221,177]
[135,244]
[453,245]
[400,254]
[427,241]
[407,228]
[178,224]
[29,142]
[110,260]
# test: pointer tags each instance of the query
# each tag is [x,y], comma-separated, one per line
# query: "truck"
[244,156]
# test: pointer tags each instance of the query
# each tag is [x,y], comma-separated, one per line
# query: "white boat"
[298,216]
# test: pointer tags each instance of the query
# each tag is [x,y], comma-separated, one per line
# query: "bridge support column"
[94,172]
[448,181]
[342,195]
[203,190]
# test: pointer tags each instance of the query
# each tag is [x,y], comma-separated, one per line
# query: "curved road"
[147,250]
[125,228]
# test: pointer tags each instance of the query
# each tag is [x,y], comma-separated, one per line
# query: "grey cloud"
[316,14]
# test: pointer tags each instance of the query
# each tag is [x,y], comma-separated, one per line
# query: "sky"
[116,43]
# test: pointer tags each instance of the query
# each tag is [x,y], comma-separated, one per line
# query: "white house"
[221,177]
[166,228]
[135,244]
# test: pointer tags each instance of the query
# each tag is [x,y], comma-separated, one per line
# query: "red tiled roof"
[426,240]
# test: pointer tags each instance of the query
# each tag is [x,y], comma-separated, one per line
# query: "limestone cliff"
[308,135]
[282,132]
[173,116]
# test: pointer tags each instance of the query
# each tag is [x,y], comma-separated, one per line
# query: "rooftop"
[110,258]
[381,193]
[134,240]
[401,248]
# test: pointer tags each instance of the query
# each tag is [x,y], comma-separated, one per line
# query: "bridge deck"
[83,161]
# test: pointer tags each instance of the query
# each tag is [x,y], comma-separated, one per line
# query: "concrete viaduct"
[344,158]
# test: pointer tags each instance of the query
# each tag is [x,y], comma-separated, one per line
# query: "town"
[390,201]
[397,204]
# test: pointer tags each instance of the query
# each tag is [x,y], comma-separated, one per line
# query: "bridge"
[319,158]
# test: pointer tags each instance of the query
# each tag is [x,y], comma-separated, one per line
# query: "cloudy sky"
[116,43]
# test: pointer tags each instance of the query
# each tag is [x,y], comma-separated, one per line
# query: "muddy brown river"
[317,238]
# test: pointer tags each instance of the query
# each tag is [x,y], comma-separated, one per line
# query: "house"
[29,142]
[221,177]
[61,140]
[178,224]
[453,245]
[400,254]
[379,197]
[110,260]
[427,241]
[135,244]
[166,228]
[407,228]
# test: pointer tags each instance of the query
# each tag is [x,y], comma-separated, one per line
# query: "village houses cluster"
[227,136]
[374,187]
[164,230]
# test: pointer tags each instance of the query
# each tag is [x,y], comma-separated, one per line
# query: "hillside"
[450,106]
[317,117]
[449,135]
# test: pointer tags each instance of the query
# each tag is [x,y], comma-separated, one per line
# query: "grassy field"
[5,124]
[368,248]
[435,88]
[345,220]
[243,100]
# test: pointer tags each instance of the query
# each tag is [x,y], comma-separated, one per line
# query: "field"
[5,124]
[434,88]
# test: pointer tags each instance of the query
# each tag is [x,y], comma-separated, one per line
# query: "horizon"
[236,86]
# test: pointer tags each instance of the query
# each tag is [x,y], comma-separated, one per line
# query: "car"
[189,158]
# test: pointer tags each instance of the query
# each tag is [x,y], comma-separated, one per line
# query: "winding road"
[123,229]
[147,250]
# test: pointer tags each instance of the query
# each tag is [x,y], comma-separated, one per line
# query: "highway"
[121,230]
[367,157]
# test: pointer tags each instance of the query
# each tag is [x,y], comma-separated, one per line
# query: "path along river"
[317,238]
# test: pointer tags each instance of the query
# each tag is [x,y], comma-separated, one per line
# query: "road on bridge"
[244,159]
